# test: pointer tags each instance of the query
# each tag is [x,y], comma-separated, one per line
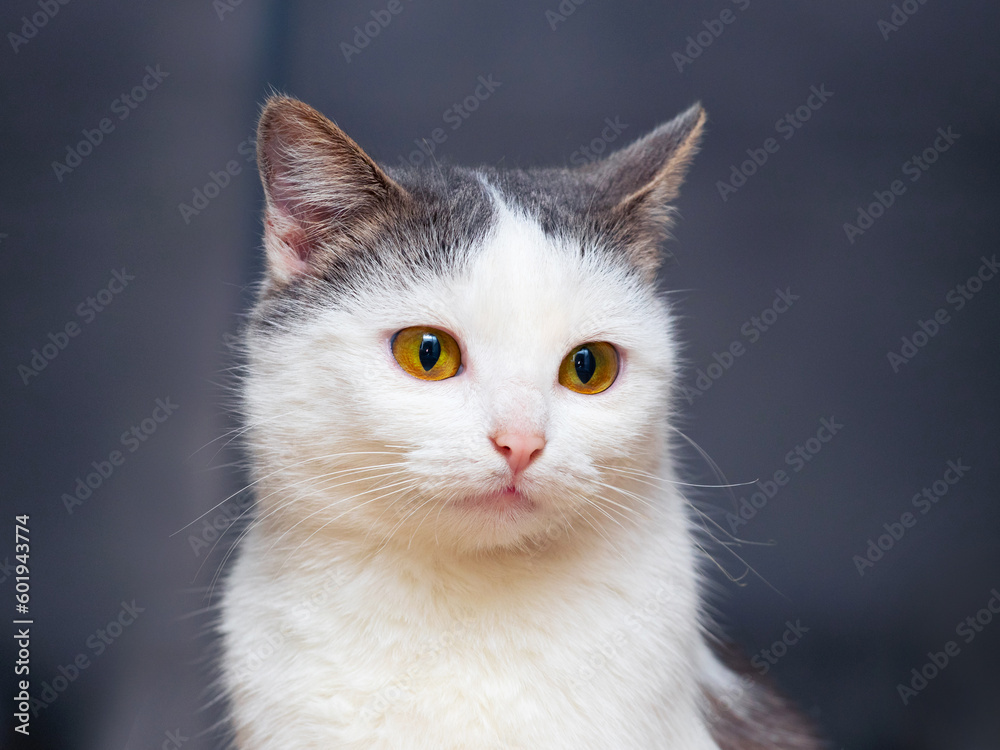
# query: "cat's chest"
[528,676]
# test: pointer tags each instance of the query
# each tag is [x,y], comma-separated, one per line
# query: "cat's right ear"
[323,192]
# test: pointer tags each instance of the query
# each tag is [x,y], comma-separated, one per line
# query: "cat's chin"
[497,519]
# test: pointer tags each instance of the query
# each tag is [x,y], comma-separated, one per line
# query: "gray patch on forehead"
[454,214]
[568,204]
[438,232]
[556,197]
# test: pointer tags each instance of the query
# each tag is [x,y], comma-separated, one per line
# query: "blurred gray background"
[562,70]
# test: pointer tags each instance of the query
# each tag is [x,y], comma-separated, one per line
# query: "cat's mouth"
[506,501]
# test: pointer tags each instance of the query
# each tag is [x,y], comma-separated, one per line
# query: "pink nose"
[519,450]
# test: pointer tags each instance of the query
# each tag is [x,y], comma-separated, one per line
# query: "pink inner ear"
[317,182]
[293,235]
[288,247]
[296,239]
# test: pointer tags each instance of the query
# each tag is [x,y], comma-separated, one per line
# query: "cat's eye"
[590,368]
[427,353]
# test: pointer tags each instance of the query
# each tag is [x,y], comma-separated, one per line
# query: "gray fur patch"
[398,221]
[757,717]
[448,219]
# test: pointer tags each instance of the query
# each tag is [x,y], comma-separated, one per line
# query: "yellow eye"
[426,353]
[590,368]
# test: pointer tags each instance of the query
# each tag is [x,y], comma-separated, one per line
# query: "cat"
[469,532]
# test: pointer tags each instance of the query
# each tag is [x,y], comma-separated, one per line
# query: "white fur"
[370,609]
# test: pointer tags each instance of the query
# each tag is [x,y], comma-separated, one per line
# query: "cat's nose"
[519,450]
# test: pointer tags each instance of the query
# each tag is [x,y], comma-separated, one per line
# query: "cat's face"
[468,359]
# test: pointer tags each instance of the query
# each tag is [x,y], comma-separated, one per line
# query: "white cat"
[468,532]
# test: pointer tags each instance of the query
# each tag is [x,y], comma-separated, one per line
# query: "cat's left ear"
[638,183]
[324,193]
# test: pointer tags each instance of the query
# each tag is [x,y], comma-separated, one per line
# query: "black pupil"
[430,351]
[585,364]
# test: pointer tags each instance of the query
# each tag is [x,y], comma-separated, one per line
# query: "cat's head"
[470,358]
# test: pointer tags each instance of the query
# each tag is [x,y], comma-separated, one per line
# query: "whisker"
[716,469]
[435,497]
[404,519]
[283,505]
[278,471]
[644,500]
[597,527]
[412,484]
[730,576]
[639,473]
[240,430]
[338,502]
[701,513]
[598,508]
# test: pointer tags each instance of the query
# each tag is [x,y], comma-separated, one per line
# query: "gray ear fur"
[638,183]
